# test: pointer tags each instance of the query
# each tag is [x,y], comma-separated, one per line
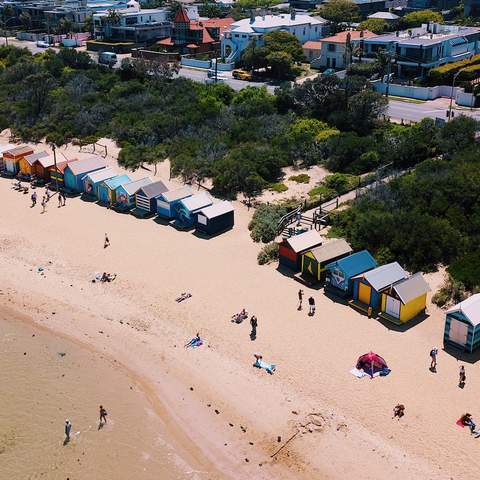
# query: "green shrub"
[466,270]
[443,75]
[263,226]
[341,182]
[278,187]
[451,291]
[323,192]
[301,178]
[268,253]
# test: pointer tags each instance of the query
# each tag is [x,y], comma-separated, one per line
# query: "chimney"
[292,14]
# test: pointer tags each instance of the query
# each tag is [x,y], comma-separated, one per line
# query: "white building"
[238,36]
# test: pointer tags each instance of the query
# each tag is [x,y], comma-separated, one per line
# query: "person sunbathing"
[240,317]
[108,277]
[399,411]
[183,297]
[196,341]
[259,363]
[467,421]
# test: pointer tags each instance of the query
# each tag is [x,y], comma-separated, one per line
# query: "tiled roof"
[354,35]
[181,16]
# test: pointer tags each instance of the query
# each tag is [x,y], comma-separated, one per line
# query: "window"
[304,31]
[244,36]
[331,47]
[316,29]
[131,20]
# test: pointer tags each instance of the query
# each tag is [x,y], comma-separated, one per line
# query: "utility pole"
[55,164]
[389,70]
[449,112]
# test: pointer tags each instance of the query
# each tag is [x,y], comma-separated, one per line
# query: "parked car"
[242,75]
[107,58]
[42,44]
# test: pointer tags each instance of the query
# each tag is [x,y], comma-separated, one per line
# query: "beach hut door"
[458,332]
[392,307]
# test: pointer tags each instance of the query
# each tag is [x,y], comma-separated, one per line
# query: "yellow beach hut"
[405,299]
[25,163]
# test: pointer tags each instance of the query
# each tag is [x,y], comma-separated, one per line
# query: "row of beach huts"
[145,197]
[387,290]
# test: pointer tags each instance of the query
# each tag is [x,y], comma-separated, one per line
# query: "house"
[125,194]
[75,171]
[418,50]
[405,299]
[239,35]
[388,17]
[331,52]
[11,158]
[368,286]
[339,274]
[291,249]
[314,261]
[167,201]
[215,219]
[146,198]
[193,36]
[107,188]
[462,324]
[92,180]
[25,164]
[41,165]
[187,208]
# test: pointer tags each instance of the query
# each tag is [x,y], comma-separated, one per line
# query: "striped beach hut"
[75,171]
[217,218]
[92,180]
[405,299]
[187,209]
[462,324]
[146,198]
[368,286]
[12,158]
[107,188]
[167,201]
[56,174]
[4,148]
[25,164]
[339,274]
[291,249]
[125,194]
[314,261]
[41,167]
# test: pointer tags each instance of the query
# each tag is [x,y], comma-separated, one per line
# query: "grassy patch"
[322,191]
[268,253]
[278,187]
[301,178]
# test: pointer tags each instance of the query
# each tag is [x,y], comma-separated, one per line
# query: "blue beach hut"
[462,324]
[93,180]
[146,198]
[186,210]
[75,171]
[339,274]
[107,189]
[125,194]
[167,201]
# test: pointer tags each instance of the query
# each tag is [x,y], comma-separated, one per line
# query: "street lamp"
[449,113]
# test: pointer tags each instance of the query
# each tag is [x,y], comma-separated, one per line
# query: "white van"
[107,58]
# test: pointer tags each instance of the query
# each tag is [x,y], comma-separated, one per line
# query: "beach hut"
[339,274]
[291,249]
[125,194]
[314,261]
[56,174]
[41,166]
[12,158]
[187,209]
[25,164]
[75,171]
[462,324]
[107,188]
[4,148]
[405,299]
[92,180]
[167,201]
[146,198]
[217,218]
[368,286]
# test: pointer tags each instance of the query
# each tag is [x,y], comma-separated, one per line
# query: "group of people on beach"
[311,303]
[62,199]
[68,424]
[241,316]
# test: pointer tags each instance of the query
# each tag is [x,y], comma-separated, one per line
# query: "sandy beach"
[208,406]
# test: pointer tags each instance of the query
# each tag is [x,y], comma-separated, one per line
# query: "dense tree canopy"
[340,11]
[415,19]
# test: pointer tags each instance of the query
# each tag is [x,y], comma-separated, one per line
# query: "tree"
[416,19]
[365,109]
[457,135]
[254,184]
[315,97]
[252,101]
[26,20]
[340,11]
[375,25]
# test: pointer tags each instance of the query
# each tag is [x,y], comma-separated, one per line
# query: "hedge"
[443,75]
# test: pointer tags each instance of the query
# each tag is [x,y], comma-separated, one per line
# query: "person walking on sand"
[34,198]
[462,377]
[103,415]
[311,306]
[44,204]
[300,298]
[59,199]
[64,199]
[68,429]
[107,242]
[433,356]
[253,323]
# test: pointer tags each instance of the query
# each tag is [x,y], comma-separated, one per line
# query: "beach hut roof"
[47,161]
[154,189]
[6,148]
[132,187]
[100,175]
[411,288]
[356,263]
[33,157]
[197,201]
[113,183]
[63,165]
[18,151]
[86,165]
[386,275]
[470,309]
[330,250]
[217,209]
[304,241]
[177,194]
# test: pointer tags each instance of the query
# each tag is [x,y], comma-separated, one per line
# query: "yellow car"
[241,75]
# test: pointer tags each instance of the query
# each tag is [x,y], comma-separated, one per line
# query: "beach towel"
[460,423]
[269,367]
[194,342]
[358,373]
